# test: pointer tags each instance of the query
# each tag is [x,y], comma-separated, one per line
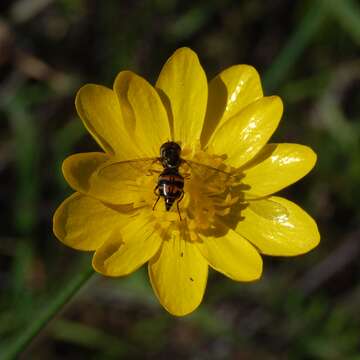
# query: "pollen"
[210,193]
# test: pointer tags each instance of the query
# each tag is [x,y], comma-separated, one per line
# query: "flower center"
[211,191]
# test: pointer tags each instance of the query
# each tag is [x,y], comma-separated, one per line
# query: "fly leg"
[157,193]
[177,203]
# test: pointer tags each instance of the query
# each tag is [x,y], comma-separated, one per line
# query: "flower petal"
[290,235]
[231,255]
[277,166]
[125,252]
[242,136]
[230,92]
[183,86]
[144,112]
[99,109]
[178,275]
[84,223]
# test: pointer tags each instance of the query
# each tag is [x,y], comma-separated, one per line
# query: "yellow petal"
[277,166]
[99,109]
[178,275]
[293,234]
[183,86]
[78,169]
[232,255]
[143,111]
[242,136]
[230,92]
[125,252]
[84,223]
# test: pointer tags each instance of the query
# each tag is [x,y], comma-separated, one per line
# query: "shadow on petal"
[217,100]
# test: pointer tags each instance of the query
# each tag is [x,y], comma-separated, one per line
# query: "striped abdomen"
[170,187]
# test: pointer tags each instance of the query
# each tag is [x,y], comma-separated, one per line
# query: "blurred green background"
[306,51]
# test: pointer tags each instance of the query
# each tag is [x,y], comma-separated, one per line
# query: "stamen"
[209,194]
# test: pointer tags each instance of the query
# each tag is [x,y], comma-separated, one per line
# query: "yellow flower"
[227,217]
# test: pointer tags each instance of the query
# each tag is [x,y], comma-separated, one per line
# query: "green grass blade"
[297,43]
[347,13]
[38,321]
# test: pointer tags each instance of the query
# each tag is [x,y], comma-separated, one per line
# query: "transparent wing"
[129,175]
[203,169]
[219,180]
[214,179]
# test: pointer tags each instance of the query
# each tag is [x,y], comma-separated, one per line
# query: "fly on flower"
[170,183]
[216,174]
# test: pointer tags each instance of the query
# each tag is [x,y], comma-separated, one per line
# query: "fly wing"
[218,180]
[128,175]
[214,179]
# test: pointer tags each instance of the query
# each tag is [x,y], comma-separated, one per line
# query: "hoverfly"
[170,183]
